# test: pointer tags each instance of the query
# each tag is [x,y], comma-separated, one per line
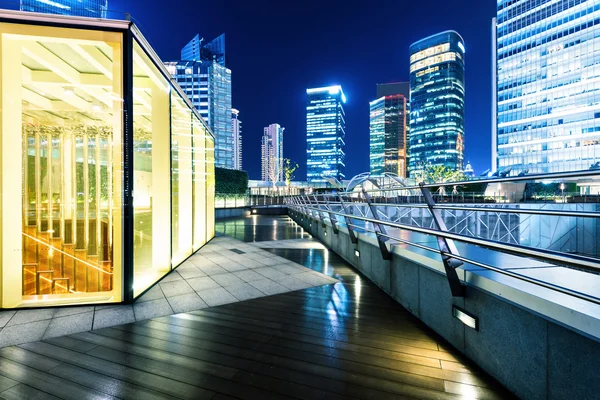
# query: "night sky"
[278,48]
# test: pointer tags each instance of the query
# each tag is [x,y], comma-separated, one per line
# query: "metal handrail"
[534,281]
[584,214]
[572,260]
[544,177]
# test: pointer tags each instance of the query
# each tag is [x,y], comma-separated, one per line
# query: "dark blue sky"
[278,48]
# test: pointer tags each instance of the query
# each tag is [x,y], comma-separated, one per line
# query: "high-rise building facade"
[272,153]
[325,133]
[437,102]
[388,130]
[236,126]
[80,8]
[206,80]
[547,108]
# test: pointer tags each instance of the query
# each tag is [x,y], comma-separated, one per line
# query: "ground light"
[465,318]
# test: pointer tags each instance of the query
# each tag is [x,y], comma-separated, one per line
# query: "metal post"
[319,211]
[445,245]
[351,233]
[332,217]
[379,229]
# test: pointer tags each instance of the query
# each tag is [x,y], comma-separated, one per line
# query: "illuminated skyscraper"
[388,130]
[437,100]
[272,153]
[547,78]
[81,8]
[236,125]
[325,133]
[206,80]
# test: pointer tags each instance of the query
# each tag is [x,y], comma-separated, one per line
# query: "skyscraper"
[237,139]
[325,133]
[546,107]
[388,129]
[272,153]
[81,8]
[437,99]
[206,80]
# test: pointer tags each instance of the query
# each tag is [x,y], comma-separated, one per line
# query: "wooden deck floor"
[342,341]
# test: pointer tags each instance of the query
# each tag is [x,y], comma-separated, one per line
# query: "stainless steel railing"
[368,211]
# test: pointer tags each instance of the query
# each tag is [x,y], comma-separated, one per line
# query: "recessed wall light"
[356,253]
[465,318]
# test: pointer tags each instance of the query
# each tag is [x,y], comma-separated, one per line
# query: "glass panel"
[62,122]
[181,178]
[152,178]
[199,154]
[210,188]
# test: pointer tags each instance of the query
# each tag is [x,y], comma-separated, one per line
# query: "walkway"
[342,340]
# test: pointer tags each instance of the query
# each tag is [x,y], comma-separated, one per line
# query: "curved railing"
[562,231]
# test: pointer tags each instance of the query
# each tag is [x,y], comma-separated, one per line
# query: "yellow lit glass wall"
[152,172]
[61,165]
[181,179]
[199,179]
[210,187]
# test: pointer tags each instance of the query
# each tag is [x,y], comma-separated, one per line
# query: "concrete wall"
[532,356]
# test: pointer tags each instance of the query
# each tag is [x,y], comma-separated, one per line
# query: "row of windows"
[518,10]
[552,38]
[538,16]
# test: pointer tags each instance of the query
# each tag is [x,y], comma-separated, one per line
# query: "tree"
[288,170]
[440,174]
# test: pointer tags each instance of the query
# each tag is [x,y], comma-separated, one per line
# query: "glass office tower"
[325,133]
[388,130]
[547,79]
[106,171]
[81,8]
[271,148]
[437,102]
[207,82]
[236,124]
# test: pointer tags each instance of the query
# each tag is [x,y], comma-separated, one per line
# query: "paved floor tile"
[153,294]
[25,316]
[248,275]
[269,272]
[172,276]
[190,272]
[70,324]
[5,316]
[113,316]
[66,311]
[292,283]
[244,291]
[269,287]
[216,297]
[213,270]
[23,333]
[186,302]
[233,266]
[227,279]
[175,288]
[151,309]
[203,283]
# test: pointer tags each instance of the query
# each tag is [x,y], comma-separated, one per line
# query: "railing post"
[446,246]
[332,217]
[319,211]
[379,229]
[351,233]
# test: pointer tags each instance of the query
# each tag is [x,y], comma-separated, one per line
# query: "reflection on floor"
[224,271]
